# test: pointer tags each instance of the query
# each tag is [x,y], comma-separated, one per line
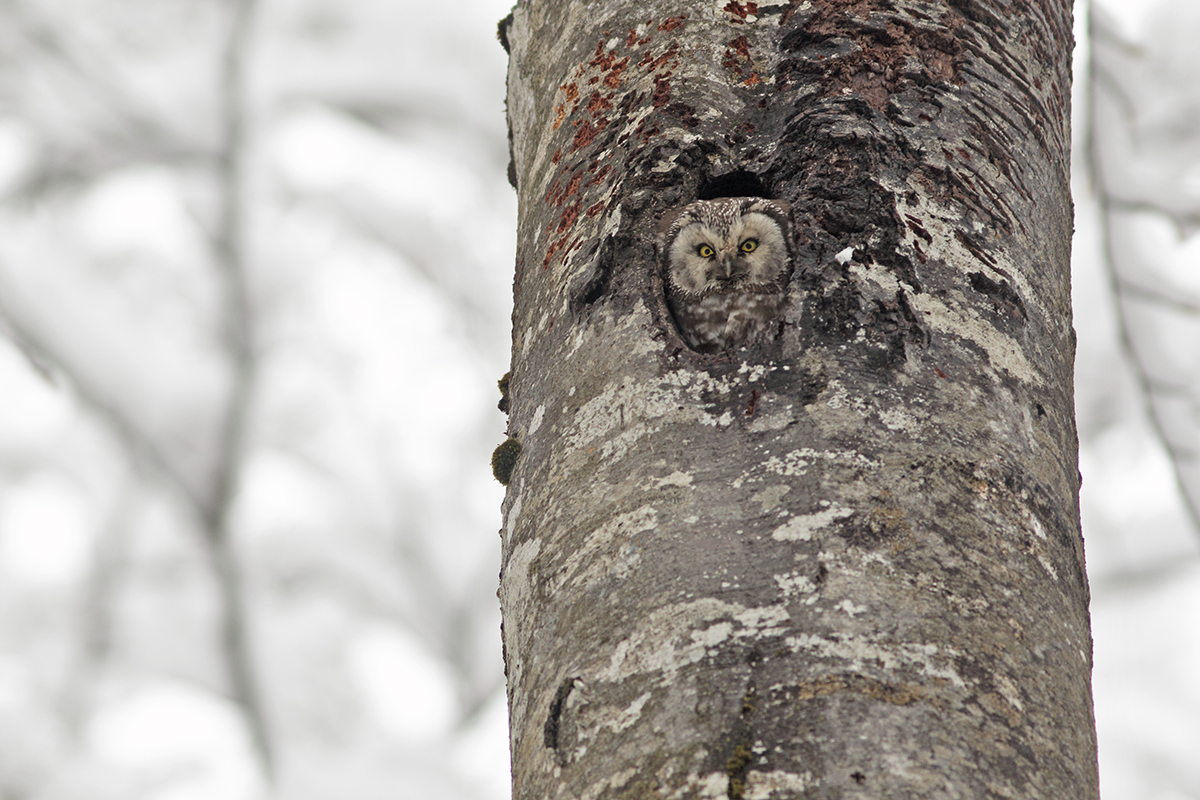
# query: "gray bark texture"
[844,562]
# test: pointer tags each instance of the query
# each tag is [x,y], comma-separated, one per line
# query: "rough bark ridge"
[845,563]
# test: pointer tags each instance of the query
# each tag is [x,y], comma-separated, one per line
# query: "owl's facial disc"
[725,248]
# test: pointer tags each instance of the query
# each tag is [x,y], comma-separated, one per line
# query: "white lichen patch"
[796,462]
[899,418]
[516,588]
[790,465]
[683,634]
[925,659]
[772,422]
[796,583]
[777,784]
[764,620]
[1036,524]
[718,10]
[944,243]
[1046,565]
[769,498]
[619,719]
[875,282]
[1008,690]
[676,478]
[536,422]
[712,635]
[1002,350]
[577,339]
[616,562]
[514,514]
[801,528]
[609,782]
[838,397]
[756,371]
[713,785]
[628,410]
[850,608]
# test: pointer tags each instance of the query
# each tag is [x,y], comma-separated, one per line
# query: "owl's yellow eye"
[749,245]
[705,251]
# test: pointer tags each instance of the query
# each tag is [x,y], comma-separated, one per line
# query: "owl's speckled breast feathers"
[725,269]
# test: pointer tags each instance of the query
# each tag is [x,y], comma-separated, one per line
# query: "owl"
[725,269]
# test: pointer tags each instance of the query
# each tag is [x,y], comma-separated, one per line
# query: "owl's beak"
[727,266]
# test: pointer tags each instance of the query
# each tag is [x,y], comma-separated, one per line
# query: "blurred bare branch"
[1113,131]
[232,243]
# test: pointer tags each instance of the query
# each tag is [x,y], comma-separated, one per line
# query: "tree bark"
[844,562]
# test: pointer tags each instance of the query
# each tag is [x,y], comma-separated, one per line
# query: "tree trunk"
[845,560]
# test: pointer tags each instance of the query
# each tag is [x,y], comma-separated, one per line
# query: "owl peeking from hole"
[725,266]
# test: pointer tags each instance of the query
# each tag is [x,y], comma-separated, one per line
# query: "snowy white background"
[373,246]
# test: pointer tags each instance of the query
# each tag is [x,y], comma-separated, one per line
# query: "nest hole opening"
[733,184]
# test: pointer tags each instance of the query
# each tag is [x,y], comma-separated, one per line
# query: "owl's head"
[732,244]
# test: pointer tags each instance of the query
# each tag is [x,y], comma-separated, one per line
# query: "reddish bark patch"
[587,133]
[551,250]
[565,244]
[656,64]
[598,103]
[737,59]
[920,253]
[914,224]
[740,11]
[571,94]
[557,194]
[613,79]
[647,132]
[632,40]
[753,404]
[603,60]
[662,92]
[607,101]
[883,55]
